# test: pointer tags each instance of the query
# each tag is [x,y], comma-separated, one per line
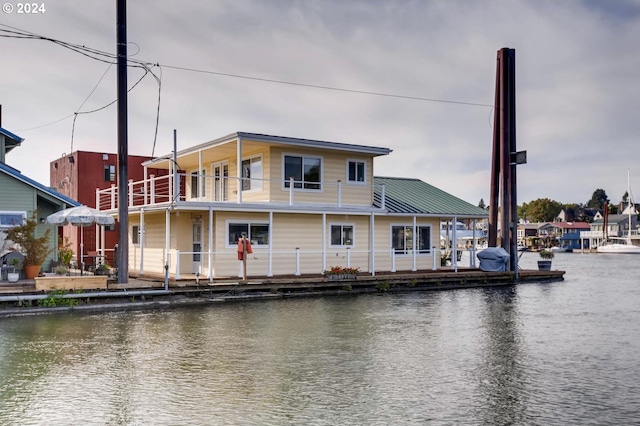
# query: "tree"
[540,210]
[598,199]
[481,204]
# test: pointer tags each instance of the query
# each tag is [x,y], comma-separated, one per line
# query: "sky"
[415,76]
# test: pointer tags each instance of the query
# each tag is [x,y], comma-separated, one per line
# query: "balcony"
[161,191]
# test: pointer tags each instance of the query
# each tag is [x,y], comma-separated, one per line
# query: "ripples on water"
[552,353]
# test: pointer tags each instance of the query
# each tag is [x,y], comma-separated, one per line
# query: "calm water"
[553,353]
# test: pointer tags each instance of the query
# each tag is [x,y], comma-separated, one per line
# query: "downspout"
[211,272]
[270,249]
[142,240]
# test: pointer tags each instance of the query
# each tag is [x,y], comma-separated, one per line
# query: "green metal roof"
[413,196]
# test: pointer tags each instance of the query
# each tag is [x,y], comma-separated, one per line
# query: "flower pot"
[31,271]
[13,277]
[544,265]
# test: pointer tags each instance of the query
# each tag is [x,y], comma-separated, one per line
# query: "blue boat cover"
[494,259]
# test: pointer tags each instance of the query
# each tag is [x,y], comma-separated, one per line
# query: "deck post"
[297,260]
[434,253]
[177,264]
[348,257]
[393,259]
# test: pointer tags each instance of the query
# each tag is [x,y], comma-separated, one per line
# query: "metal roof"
[413,196]
[11,140]
[37,185]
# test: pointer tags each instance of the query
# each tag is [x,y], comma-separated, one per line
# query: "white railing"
[160,190]
[296,261]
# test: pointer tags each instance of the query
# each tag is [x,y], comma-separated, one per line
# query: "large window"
[355,171]
[342,235]
[402,239]
[252,174]
[11,219]
[305,171]
[257,232]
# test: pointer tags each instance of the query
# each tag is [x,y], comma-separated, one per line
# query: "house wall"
[334,168]
[290,231]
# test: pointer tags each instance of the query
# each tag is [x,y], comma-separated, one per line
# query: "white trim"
[414,237]
[201,192]
[285,179]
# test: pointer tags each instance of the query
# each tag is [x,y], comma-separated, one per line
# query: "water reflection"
[548,353]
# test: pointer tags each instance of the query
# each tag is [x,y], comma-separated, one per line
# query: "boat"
[622,245]
[559,249]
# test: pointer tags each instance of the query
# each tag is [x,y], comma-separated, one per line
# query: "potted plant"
[103,269]
[35,249]
[65,253]
[14,276]
[546,256]
[338,273]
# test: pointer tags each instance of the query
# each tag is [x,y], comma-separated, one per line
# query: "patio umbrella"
[80,216]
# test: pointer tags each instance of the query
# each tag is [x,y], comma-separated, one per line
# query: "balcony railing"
[227,189]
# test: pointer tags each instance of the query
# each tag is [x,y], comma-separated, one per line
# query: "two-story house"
[305,205]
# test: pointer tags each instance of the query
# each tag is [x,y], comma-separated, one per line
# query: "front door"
[197,247]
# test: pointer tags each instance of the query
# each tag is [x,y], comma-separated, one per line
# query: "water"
[549,353]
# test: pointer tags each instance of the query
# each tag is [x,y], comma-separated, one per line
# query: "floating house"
[305,205]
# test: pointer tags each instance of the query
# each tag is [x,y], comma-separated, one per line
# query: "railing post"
[436,256]
[393,259]
[290,191]
[177,264]
[130,192]
[339,193]
[297,260]
[113,196]
[382,196]
[98,199]
[152,184]
[348,257]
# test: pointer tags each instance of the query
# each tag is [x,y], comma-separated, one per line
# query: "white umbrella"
[80,216]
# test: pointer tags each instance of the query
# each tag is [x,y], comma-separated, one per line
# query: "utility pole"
[123,143]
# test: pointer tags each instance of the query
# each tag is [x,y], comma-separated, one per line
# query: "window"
[135,234]
[109,173]
[252,174]
[257,232]
[194,184]
[305,171]
[11,219]
[342,235]
[402,239]
[355,171]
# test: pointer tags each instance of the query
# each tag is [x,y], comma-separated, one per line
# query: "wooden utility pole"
[503,201]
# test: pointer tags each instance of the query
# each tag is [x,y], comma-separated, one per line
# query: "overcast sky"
[577,68]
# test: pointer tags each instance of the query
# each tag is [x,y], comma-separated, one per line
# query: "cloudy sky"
[577,67]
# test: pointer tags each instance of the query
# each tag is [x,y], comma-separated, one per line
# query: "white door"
[196,247]
[221,181]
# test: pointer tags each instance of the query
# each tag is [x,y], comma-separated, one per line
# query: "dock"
[150,292]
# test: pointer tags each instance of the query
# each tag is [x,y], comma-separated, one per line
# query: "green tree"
[541,210]
[598,199]
[481,204]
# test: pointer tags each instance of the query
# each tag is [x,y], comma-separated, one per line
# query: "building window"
[135,234]
[342,235]
[109,173]
[257,233]
[355,171]
[10,219]
[305,171]
[252,174]
[402,239]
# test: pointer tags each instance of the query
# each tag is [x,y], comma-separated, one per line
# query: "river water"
[538,353]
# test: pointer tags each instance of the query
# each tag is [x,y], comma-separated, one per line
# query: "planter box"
[62,282]
[341,277]
[544,265]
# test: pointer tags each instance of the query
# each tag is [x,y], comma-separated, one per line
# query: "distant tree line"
[546,210]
